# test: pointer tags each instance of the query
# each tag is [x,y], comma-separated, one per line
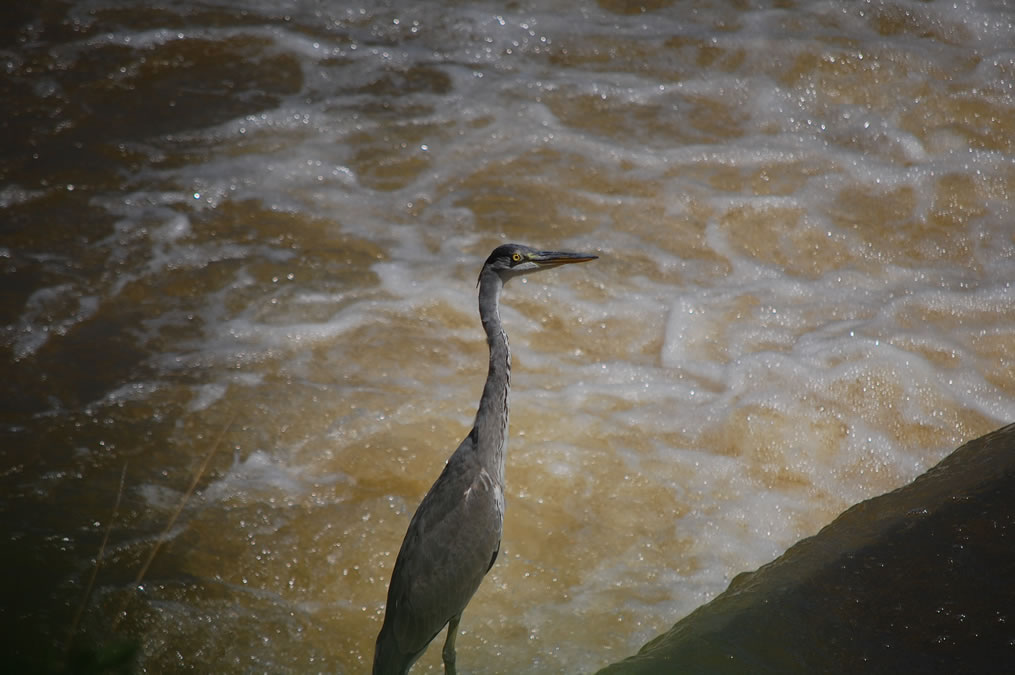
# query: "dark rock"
[919,580]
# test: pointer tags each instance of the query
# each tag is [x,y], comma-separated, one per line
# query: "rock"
[919,580]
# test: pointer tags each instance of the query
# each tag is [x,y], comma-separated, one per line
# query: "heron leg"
[449,646]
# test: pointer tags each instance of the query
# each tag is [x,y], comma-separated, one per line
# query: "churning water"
[240,243]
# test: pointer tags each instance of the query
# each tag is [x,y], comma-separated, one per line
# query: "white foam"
[257,476]
[36,325]
[205,395]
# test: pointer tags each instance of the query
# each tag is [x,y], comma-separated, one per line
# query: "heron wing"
[450,544]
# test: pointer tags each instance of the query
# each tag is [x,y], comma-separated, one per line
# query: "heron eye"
[516,257]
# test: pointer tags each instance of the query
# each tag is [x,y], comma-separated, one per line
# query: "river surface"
[239,245]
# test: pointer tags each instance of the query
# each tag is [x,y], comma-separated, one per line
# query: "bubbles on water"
[799,302]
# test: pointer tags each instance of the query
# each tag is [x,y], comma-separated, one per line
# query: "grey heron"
[454,536]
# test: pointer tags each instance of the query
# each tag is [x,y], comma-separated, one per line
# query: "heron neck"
[491,426]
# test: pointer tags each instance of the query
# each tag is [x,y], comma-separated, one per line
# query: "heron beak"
[548,259]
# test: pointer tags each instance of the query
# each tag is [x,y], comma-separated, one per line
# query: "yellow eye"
[517,257]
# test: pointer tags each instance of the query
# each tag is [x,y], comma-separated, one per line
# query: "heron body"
[454,536]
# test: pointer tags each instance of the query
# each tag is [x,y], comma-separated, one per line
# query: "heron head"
[511,260]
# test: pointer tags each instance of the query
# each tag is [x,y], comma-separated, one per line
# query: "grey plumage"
[454,537]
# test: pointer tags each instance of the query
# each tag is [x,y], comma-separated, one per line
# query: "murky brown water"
[240,244]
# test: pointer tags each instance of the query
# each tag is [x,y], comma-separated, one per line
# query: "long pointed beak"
[548,259]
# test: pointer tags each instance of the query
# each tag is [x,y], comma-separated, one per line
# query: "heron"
[454,536]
